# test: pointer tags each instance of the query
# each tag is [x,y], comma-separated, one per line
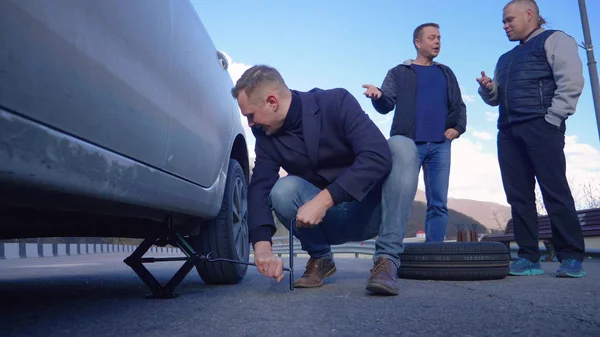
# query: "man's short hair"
[256,76]
[531,4]
[418,33]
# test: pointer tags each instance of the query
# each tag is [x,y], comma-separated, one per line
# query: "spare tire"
[454,261]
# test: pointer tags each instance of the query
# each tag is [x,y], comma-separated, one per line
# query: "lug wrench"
[290,269]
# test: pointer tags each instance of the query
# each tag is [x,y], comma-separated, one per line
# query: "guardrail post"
[22,250]
[47,248]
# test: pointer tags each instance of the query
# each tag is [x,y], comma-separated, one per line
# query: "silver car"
[116,120]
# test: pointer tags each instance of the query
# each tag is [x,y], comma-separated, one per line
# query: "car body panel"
[120,102]
[38,156]
[142,81]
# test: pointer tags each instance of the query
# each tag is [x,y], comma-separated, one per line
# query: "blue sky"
[345,44]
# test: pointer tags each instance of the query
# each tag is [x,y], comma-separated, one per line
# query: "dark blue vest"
[525,82]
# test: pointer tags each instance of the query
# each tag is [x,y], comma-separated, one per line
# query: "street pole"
[587,45]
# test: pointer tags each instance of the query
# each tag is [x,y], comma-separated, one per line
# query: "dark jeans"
[382,213]
[531,150]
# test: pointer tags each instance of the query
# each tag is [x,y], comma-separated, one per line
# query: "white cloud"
[583,168]
[475,173]
[468,98]
[236,70]
[482,135]
[491,116]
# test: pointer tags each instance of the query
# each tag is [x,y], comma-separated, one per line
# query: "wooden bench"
[589,219]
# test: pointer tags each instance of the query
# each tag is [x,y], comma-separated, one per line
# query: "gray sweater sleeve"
[563,57]
[490,97]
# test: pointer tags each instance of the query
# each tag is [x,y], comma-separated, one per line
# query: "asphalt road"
[98,295]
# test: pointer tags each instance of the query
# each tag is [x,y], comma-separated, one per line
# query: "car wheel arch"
[239,152]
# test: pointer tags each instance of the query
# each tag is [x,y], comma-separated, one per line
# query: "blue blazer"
[343,145]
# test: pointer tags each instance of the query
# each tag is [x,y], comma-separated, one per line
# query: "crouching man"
[345,181]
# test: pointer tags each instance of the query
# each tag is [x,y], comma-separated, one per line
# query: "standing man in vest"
[536,85]
[430,111]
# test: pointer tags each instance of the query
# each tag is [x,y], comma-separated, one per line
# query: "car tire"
[454,261]
[226,236]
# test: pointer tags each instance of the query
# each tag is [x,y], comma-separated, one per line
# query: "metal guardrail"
[280,247]
[30,250]
[347,248]
[368,247]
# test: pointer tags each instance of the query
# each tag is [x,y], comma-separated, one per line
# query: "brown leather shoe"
[384,278]
[316,271]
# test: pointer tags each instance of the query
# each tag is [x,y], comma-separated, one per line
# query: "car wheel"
[226,236]
[454,261]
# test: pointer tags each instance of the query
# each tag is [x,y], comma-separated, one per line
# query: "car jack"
[136,261]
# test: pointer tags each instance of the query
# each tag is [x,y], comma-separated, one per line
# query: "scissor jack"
[170,236]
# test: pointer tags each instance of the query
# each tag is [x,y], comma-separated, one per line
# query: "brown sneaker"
[316,271]
[384,278]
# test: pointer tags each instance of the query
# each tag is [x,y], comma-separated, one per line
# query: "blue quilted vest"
[525,82]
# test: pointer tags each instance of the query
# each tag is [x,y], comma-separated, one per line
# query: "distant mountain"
[416,221]
[490,214]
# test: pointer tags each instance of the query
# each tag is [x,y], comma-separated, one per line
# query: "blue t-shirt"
[432,104]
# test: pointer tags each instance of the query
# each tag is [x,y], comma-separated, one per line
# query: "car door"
[201,117]
[138,78]
[87,69]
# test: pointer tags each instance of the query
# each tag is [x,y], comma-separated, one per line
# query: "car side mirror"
[222,60]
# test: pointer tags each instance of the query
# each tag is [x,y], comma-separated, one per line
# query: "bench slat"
[589,220]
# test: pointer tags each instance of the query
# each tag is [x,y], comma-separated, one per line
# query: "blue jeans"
[383,212]
[435,160]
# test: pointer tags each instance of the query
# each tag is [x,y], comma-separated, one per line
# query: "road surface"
[98,295]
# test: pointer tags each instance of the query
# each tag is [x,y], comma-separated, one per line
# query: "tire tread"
[454,261]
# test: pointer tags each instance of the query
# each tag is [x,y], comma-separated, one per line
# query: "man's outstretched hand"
[372,91]
[266,262]
[485,82]
[313,212]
